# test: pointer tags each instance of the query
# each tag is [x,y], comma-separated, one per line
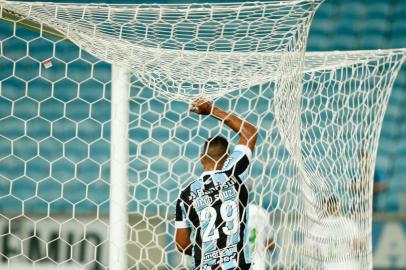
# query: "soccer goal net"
[97,141]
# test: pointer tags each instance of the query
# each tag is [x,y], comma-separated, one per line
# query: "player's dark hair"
[331,203]
[332,200]
[216,147]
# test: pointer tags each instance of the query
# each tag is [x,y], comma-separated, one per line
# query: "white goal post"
[119,167]
[318,114]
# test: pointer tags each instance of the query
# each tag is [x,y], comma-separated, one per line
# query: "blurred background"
[338,25]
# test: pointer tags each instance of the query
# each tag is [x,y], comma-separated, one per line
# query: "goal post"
[98,139]
[120,80]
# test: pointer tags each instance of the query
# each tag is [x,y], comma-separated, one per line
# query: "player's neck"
[209,167]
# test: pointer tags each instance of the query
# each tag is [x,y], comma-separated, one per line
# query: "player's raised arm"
[246,131]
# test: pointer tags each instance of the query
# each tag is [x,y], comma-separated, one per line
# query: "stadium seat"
[345,26]
[397,41]
[6,29]
[400,10]
[398,33]
[391,202]
[397,187]
[318,42]
[345,41]
[350,10]
[372,41]
[325,11]
[74,192]
[10,204]
[321,29]
[397,96]
[379,9]
[399,27]
[402,149]
[66,51]
[374,26]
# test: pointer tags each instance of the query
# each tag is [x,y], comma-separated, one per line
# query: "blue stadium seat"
[66,51]
[374,26]
[345,41]
[400,168]
[398,33]
[399,27]
[350,10]
[402,150]
[400,10]
[397,96]
[397,41]
[324,27]
[345,27]
[391,201]
[86,207]
[6,30]
[372,41]
[379,9]
[326,11]
[9,204]
[74,192]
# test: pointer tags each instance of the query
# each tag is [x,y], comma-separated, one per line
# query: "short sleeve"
[268,228]
[239,160]
[181,220]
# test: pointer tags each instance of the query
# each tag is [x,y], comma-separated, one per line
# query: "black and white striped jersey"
[215,208]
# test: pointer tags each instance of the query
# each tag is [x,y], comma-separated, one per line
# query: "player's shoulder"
[189,192]
[351,225]
[239,152]
[185,191]
[257,211]
[256,208]
[242,149]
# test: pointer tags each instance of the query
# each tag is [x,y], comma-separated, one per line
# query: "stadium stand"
[381,24]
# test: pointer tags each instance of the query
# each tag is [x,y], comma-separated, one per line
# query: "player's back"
[215,207]
[260,231]
[337,252]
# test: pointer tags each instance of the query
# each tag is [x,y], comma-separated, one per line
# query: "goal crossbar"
[318,114]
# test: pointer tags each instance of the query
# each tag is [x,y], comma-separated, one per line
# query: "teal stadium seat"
[370,41]
[347,10]
[400,10]
[326,11]
[380,9]
[374,26]
[344,34]
[10,204]
[398,33]
[323,28]
[344,41]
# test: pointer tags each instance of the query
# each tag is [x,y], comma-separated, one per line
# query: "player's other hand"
[201,106]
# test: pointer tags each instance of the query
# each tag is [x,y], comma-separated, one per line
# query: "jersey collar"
[206,173]
[205,176]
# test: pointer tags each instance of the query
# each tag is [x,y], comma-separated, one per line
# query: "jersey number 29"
[229,214]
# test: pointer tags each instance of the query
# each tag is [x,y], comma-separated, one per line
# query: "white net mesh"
[313,163]
[342,112]
[164,45]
